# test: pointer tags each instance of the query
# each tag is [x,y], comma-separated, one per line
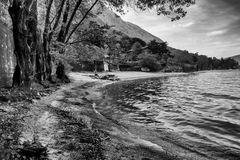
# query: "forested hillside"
[202,62]
[236,58]
[128,33]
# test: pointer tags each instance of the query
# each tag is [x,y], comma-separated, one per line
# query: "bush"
[149,61]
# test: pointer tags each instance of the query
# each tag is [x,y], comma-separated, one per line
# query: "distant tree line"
[202,62]
[136,54]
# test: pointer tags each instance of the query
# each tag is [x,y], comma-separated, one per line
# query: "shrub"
[149,61]
[64,55]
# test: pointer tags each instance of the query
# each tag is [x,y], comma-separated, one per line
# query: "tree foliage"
[95,34]
[202,62]
[149,61]
[174,9]
[158,48]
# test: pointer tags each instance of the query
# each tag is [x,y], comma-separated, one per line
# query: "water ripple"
[204,108]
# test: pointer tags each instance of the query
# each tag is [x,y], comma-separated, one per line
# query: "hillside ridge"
[236,58]
[118,24]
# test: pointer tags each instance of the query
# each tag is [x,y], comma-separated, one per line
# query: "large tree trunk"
[24,22]
[33,60]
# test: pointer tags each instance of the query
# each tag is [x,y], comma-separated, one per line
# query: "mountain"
[118,24]
[127,28]
[236,58]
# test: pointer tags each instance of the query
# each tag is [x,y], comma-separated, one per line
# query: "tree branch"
[64,22]
[84,17]
[76,41]
[59,13]
[47,26]
[47,20]
[71,17]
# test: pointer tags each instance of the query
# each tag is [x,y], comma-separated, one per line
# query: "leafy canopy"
[174,9]
[158,48]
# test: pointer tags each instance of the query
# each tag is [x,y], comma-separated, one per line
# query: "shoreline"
[123,76]
[127,135]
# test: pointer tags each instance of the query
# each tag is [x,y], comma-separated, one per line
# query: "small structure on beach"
[106,63]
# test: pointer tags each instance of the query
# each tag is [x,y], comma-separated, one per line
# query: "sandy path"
[43,120]
[42,124]
[59,123]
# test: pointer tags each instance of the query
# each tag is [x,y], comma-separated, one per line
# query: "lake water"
[203,108]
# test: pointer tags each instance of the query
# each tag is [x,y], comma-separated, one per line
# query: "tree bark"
[58,16]
[40,60]
[60,70]
[61,35]
[24,34]
[32,54]
[47,67]
[43,59]
[61,74]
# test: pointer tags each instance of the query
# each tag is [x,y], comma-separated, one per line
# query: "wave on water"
[221,96]
[202,108]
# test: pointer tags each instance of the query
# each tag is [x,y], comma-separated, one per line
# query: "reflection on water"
[203,107]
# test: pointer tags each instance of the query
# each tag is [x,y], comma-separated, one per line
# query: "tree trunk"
[32,60]
[46,57]
[40,59]
[43,60]
[60,70]
[24,21]
[61,74]
[59,14]
[61,35]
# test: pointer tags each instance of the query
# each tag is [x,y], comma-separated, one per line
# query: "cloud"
[211,27]
[216,33]
[187,24]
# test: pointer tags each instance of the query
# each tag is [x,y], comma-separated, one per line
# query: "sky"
[211,27]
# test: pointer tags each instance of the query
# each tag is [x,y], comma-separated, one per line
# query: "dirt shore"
[67,126]
[123,76]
